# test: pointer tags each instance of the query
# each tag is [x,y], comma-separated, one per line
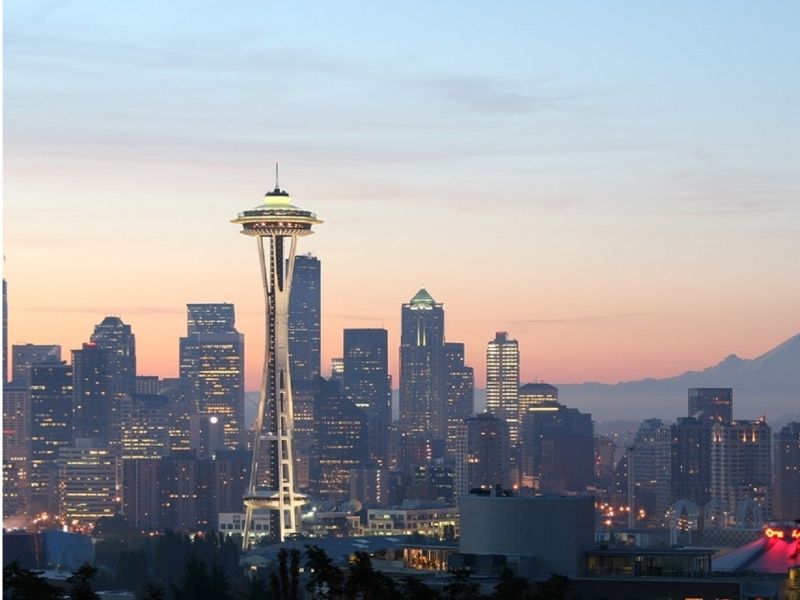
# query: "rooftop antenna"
[277,187]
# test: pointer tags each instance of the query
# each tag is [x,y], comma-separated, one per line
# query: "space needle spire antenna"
[276,224]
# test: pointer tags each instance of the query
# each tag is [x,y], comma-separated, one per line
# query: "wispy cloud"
[121,311]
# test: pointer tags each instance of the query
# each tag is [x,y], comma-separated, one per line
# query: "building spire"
[277,186]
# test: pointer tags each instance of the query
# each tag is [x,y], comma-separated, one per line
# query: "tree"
[24,584]
[414,588]
[219,586]
[460,587]
[554,588]
[81,582]
[257,590]
[195,582]
[285,583]
[510,587]
[326,581]
[365,583]
[153,592]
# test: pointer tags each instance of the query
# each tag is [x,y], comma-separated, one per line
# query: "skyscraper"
[210,318]
[422,368]
[51,430]
[340,442]
[117,338]
[502,381]
[87,482]
[741,467]
[16,448]
[272,484]
[5,331]
[713,405]
[212,366]
[556,447]
[366,383]
[483,456]
[304,321]
[91,394]
[787,472]
[24,356]
[459,390]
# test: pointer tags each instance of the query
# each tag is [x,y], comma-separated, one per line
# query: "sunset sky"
[616,184]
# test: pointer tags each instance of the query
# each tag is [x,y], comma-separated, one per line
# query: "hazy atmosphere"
[615,184]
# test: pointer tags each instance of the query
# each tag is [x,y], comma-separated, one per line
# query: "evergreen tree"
[153,592]
[285,583]
[257,590]
[24,584]
[510,587]
[81,582]
[413,588]
[195,582]
[365,583]
[554,588]
[326,581]
[460,587]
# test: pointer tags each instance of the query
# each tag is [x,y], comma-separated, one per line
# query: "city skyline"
[642,212]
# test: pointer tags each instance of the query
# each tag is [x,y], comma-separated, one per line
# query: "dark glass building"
[212,366]
[51,429]
[24,356]
[483,454]
[340,443]
[422,367]
[787,472]
[459,390]
[557,448]
[711,404]
[304,321]
[367,384]
[91,394]
[116,337]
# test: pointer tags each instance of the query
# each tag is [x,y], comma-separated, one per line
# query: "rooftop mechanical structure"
[275,224]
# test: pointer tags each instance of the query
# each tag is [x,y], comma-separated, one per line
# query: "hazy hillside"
[768,384]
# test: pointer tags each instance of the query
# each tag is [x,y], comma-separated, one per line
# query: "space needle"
[275,223]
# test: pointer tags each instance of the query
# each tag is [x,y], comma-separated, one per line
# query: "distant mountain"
[768,384]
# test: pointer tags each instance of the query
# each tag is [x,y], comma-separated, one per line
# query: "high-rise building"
[787,472]
[16,448]
[212,366]
[367,384]
[24,356]
[146,426]
[91,394]
[556,448]
[51,429]
[422,368]
[690,462]
[116,337]
[459,391]
[502,382]
[216,317]
[304,321]
[340,443]
[148,384]
[482,458]
[533,395]
[650,467]
[5,331]
[87,482]
[711,404]
[272,484]
[741,467]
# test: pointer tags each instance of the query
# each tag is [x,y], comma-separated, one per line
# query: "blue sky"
[546,168]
